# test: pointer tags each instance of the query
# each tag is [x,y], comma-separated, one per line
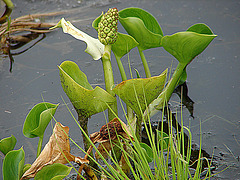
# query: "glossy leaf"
[94,47]
[38,119]
[201,29]
[85,99]
[185,46]
[123,45]
[13,165]
[148,152]
[55,171]
[142,26]
[7,144]
[142,90]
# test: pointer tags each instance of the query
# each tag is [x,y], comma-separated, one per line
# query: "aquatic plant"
[143,97]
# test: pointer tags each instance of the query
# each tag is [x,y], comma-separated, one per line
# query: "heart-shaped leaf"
[38,119]
[55,171]
[142,26]
[139,93]
[148,152]
[86,100]
[7,144]
[94,47]
[13,164]
[185,46]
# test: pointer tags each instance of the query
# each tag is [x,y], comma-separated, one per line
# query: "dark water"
[213,77]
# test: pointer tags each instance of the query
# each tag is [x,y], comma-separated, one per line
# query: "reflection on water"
[213,86]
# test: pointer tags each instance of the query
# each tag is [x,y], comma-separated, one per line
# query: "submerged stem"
[145,64]
[109,80]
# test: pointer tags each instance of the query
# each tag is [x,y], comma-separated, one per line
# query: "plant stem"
[39,148]
[121,69]
[161,101]
[145,64]
[130,114]
[109,80]
[83,123]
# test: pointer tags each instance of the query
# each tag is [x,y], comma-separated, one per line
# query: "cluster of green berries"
[107,27]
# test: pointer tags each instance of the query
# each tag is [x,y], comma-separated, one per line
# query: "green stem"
[109,80]
[130,114]
[164,97]
[145,64]
[9,4]
[121,68]
[39,148]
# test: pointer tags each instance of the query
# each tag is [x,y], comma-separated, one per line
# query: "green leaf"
[148,152]
[54,171]
[38,119]
[96,21]
[123,45]
[162,139]
[142,26]
[13,165]
[185,46]
[141,91]
[201,29]
[94,47]
[7,144]
[86,100]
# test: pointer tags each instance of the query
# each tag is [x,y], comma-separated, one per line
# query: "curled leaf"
[38,119]
[55,151]
[13,165]
[108,134]
[94,47]
[139,93]
[142,26]
[86,100]
[185,46]
[7,144]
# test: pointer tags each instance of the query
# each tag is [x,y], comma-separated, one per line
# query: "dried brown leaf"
[54,151]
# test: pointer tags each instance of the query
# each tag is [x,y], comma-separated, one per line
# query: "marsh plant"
[165,156]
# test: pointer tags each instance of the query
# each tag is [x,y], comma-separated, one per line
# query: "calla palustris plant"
[139,93]
[86,100]
[13,164]
[37,121]
[144,28]
[184,46]
[7,144]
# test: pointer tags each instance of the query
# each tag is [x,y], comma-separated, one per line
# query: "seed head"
[107,27]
